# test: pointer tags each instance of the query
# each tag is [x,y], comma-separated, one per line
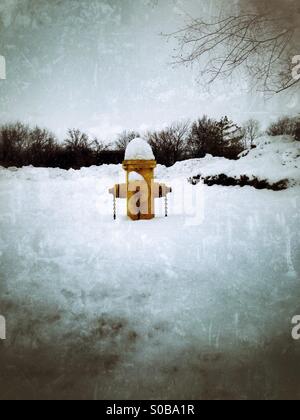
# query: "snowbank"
[274,159]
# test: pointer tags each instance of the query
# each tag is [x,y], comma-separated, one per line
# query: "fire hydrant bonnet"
[139,149]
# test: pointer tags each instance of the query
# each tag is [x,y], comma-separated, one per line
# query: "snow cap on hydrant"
[139,149]
[140,190]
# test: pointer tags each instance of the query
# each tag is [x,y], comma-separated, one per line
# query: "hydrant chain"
[166,206]
[115,208]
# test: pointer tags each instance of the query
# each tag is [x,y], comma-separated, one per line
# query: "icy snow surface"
[139,149]
[193,306]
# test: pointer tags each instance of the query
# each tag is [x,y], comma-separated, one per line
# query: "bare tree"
[252,131]
[217,138]
[41,144]
[124,139]
[13,140]
[100,149]
[99,146]
[80,148]
[205,137]
[260,37]
[77,141]
[169,145]
[284,126]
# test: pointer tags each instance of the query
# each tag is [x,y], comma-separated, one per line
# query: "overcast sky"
[102,66]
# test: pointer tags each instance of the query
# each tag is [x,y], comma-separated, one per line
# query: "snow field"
[198,305]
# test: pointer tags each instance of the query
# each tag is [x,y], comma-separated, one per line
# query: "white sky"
[102,66]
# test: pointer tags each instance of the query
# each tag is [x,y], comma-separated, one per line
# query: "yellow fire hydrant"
[140,189]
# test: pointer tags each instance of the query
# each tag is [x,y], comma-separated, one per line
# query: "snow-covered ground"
[198,305]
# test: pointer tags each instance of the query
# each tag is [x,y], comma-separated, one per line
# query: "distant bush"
[21,145]
[252,131]
[40,148]
[241,181]
[170,145]
[297,131]
[218,138]
[109,156]
[14,139]
[285,126]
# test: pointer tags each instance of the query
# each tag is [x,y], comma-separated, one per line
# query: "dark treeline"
[21,145]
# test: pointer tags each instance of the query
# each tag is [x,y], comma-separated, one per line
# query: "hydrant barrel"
[140,189]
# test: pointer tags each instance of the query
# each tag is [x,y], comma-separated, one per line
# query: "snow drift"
[273,160]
